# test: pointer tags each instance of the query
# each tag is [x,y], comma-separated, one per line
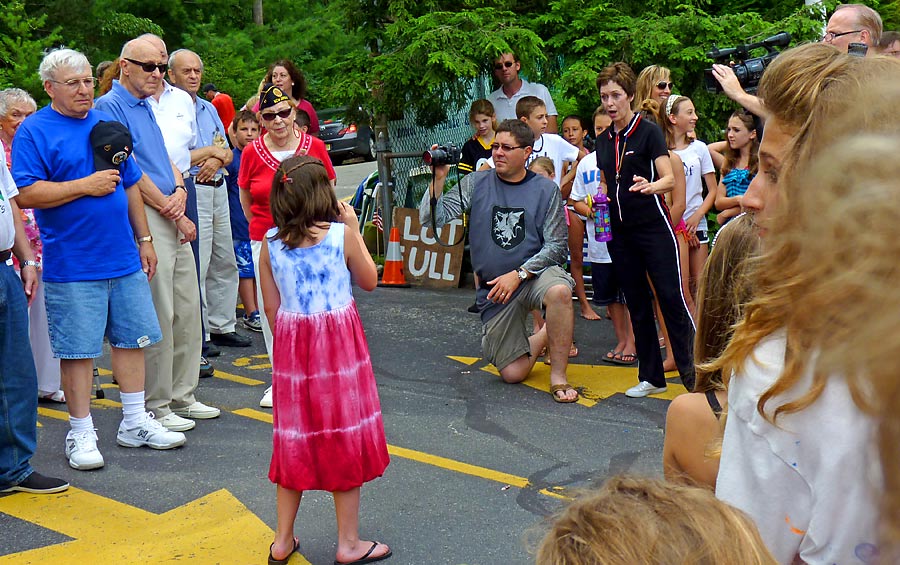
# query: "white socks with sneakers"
[85,424]
[132,408]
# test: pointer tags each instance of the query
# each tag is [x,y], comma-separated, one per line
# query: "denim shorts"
[243,255]
[80,313]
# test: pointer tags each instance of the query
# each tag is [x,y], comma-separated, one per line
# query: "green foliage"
[22,41]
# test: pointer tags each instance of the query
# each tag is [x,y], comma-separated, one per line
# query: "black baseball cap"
[210,86]
[112,145]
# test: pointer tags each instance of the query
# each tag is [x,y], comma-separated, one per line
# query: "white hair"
[11,96]
[62,59]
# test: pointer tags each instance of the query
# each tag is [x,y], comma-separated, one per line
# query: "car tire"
[335,161]
[371,153]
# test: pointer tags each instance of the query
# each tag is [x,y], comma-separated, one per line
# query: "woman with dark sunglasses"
[259,161]
[654,82]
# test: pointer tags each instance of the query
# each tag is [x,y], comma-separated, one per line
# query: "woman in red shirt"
[259,161]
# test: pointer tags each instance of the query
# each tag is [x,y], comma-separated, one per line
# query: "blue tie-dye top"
[311,279]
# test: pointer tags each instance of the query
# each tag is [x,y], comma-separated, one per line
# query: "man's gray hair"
[174,55]
[62,59]
[11,96]
[867,18]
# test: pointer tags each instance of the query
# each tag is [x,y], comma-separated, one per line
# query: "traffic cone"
[393,263]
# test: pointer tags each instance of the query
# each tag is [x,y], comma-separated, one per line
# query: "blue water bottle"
[600,206]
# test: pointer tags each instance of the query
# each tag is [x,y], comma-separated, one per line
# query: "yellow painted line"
[106,403]
[594,382]
[236,378]
[255,415]
[216,528]
[250,363]
[436,461]
[104,372]
[52,413]
[459,466]
[465,360]
[347,198]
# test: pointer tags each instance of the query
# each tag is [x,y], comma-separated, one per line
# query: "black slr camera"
[442,155]
[748,71]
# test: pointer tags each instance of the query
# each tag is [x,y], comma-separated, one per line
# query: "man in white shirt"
[512,89]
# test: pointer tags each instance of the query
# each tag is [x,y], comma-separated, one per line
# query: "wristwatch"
[182,187]
[145,239]
[523,274]
[35,264]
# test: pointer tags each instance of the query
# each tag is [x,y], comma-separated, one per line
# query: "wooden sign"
[425,261]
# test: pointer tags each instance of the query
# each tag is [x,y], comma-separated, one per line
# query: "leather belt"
[219,182]
[5,255]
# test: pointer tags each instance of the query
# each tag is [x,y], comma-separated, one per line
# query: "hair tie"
[670,101]
[285,179]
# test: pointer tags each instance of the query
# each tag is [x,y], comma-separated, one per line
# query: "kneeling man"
[517,237]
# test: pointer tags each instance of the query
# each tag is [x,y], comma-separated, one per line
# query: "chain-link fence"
[411,176]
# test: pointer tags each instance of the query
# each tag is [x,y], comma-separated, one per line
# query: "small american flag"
[377,220]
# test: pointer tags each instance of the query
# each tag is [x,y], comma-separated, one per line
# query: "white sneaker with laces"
[175,423]
[266,401]
[81,449]
[643,389]
[149,433]
[197,411]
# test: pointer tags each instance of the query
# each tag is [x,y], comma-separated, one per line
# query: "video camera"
[748,71]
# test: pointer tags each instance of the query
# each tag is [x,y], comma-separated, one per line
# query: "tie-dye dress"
[328,431]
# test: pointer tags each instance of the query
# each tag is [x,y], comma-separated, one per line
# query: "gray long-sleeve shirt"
[511,225]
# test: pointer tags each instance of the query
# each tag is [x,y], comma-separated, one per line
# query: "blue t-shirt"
[736,182]
[149,146]
[240,228]
[89,238]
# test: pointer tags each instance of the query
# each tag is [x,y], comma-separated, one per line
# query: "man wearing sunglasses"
[518,241]
[512,89]
[172,374]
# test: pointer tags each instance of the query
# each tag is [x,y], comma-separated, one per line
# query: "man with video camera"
[852,28]
[517,234]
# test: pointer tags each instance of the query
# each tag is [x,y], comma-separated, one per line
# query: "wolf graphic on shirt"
[508,226]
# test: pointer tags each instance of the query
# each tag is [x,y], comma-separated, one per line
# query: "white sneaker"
[175,423]
[266,401]
[81,449]
[149,433]
[643,389]
[197,411]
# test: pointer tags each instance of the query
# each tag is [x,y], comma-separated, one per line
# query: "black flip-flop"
[619,359]
[273,561]
[365,558]
[611,358]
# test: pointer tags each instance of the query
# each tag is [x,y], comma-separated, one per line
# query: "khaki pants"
[218,268]
[173,365]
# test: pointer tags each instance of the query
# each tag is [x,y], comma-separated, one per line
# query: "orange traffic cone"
[393,263]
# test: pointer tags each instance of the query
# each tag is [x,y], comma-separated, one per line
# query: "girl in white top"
[698,171]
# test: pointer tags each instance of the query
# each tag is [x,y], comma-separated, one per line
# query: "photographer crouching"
[518,242]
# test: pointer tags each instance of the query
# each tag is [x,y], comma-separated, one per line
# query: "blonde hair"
[721,295]
[639,520]
[649,76]
[544,164]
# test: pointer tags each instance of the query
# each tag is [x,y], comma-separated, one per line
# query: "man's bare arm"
[47,194]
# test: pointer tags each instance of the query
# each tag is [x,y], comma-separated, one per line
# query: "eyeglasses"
[499,66]
[149,67]
[830,36]
[269,116]
[73,84]
[663,84]
[506,148]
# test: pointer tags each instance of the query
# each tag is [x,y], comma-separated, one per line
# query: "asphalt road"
[476,465]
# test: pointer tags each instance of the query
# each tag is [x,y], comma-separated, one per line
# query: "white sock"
[85,424]
[132,408]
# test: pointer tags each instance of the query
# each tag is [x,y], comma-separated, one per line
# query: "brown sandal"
[563,388]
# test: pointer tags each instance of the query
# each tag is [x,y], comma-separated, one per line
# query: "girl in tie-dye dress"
[328,431]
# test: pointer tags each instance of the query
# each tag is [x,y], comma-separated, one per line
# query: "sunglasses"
[269,116]
[663,84]
[506,148]
[499,66]
[149,67]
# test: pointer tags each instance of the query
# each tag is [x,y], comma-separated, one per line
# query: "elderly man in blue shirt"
[172,375]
